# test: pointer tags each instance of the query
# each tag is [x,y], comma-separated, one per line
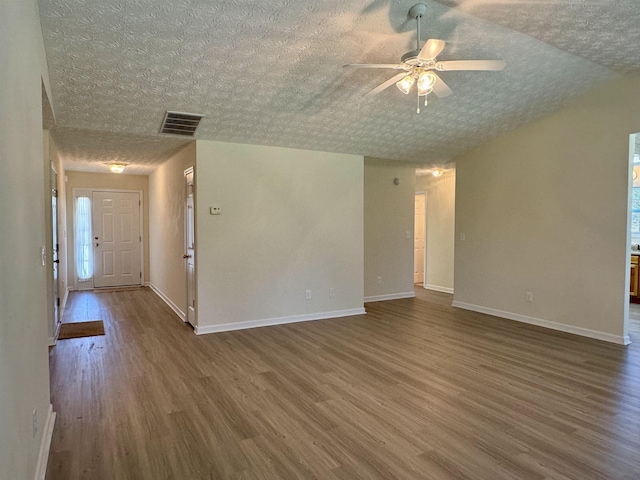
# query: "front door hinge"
[58,301]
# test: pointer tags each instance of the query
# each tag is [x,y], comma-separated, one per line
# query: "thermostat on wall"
[215,210]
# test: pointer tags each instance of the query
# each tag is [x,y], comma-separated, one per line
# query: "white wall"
[544,210]
[24,367]
[388,216]
[440,220]
[111,181]
[292,220]
[166,228]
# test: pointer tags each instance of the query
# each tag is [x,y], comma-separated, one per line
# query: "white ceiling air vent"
[180,123]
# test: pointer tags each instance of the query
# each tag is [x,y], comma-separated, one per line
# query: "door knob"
[97,244]
[186,256]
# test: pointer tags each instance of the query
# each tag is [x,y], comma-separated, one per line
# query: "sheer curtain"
[84,254]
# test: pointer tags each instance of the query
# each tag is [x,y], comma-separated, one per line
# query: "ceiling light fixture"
[117,167]
[437,173]
[405,84]
[426,81]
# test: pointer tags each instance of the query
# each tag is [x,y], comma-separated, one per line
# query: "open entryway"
[632,311]
[55,247]
[419,239]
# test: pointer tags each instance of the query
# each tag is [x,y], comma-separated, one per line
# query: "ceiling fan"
[418,66]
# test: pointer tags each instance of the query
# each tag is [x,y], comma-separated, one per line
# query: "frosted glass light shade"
[405,84]
[426,81]
[117,167]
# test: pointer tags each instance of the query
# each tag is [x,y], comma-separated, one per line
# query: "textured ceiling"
[271,73]
[93,150]
[605,31]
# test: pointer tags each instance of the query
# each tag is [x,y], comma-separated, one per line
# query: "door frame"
[424,236]
[55,251]
[88,192]
[190,171]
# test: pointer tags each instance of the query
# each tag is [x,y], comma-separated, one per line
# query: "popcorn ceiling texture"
[270,73]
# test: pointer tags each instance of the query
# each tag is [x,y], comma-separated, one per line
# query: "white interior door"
[190,249]
[419,239]
[117,245]
[54,242]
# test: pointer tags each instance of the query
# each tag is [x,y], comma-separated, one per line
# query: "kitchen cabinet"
[635,276]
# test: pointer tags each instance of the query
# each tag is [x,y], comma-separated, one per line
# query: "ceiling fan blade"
[374,65]
[431,49]
[470,65]
[440,88]
[385,85]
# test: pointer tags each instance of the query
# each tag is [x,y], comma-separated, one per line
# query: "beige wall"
[112,181]
[388,216]
[440,220]
[166,220]
[544,210]
[292,220]
[24,367]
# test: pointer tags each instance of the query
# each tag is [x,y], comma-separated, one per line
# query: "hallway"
[414,389]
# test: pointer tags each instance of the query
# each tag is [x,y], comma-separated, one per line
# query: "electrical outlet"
[35,422]
[332,292]
[529,297]
[307,294]
[379,281]
[463,237]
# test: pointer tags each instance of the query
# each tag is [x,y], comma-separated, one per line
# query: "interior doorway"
[419,241]
[190,246]
[55,247]
[632,309]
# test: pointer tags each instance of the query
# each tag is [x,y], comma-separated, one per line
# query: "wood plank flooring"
[415,389]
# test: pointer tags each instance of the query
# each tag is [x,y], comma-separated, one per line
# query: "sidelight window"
[83,250]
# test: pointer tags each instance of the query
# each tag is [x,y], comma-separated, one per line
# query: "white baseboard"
[53,341]
[65,298]
[562,327]
[168,301]
[45,444]
[437,288]
[389,296]
[267,322]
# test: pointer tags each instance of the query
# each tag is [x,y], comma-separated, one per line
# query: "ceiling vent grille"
[179,123]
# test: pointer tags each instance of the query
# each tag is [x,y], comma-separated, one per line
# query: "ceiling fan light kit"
[418,66]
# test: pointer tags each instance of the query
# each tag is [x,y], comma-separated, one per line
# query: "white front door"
[190,249]
[117,240]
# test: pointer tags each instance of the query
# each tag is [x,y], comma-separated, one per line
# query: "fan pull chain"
[418,110]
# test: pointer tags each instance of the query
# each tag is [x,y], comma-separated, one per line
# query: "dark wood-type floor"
[415,389]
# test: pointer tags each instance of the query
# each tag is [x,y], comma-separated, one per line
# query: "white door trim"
[88,192]
[191,295]
[424,237]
